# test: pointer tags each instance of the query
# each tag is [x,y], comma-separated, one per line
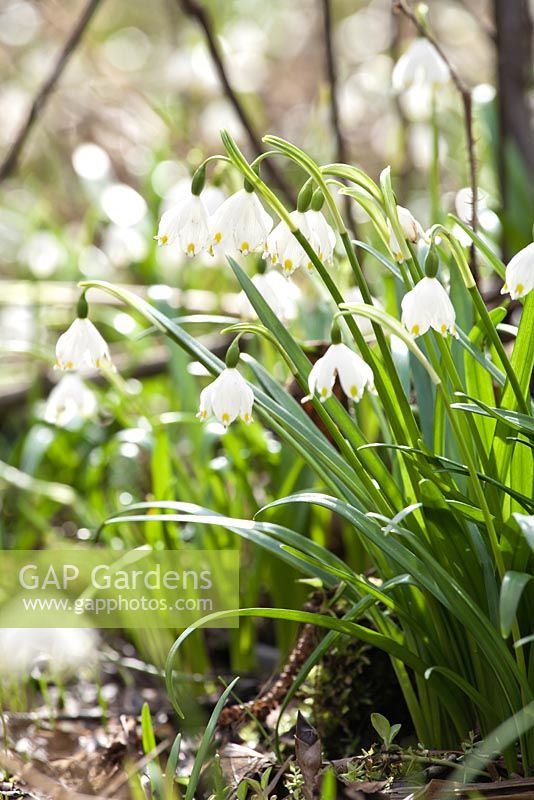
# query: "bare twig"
[402,6]
[196,11]
[331,71]
[41,98]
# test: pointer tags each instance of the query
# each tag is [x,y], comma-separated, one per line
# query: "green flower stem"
[485,318]
[402,433]
[456,383]
[495,339]
[462,438]
[354,457]
[389,365]
[435,200]
[404,426]
[354,175]
[238,160]
[308,164]
[209,159]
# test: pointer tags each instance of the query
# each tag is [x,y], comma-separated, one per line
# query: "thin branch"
[196,11]
[401,6]
[41,98]
[331,71]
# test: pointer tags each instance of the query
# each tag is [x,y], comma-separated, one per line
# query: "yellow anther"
[519,289]
[415,329]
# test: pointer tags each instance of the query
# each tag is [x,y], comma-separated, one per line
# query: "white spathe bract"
[339,360]
[227,398]
[82,347]
[426,306]
[412,229]
[282,296]
[69,400]
[282,247]
[240,224]
[320,235]
[188,224]
[420,65]
[520,273]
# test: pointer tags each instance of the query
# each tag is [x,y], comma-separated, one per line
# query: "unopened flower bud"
[431,262]
[305,197]
[198,180]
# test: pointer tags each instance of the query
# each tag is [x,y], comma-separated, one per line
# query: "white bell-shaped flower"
[339,360]
[282,296]
[320,235]
[227,398]
[426,306]
[69,400]
[412,229]
[282,247]
[420,65]
[520,273]
[82,347]
[240,224]
[188,224]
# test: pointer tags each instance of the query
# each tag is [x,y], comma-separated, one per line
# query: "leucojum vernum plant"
[441,498]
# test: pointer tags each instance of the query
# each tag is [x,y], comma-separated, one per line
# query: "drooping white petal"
[426,306]
[82,346]
[284,249]
[169,226]
[282,296]
[520,273]
[228,397]
[322,376]
[70,399]
[420,65]
[204,406]
[186,223]
[412,229]
[320,235]
[339,360]
[240,224]
[354,374]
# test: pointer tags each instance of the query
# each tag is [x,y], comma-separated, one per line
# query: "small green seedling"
[385,730]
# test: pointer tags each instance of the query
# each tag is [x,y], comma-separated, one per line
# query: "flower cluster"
[241,225]
[282,248]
